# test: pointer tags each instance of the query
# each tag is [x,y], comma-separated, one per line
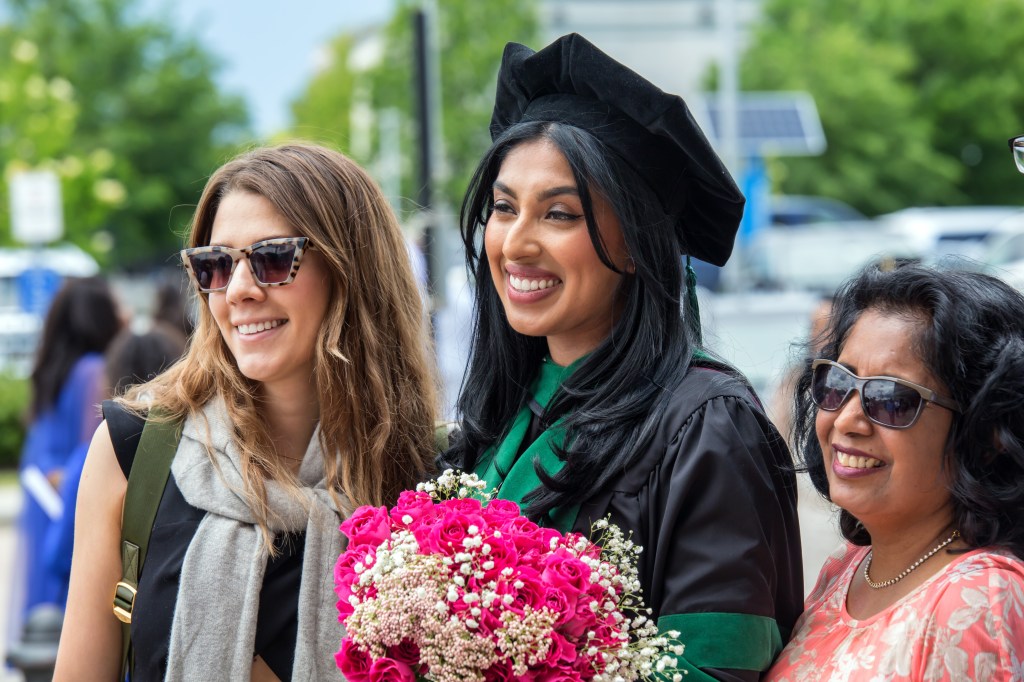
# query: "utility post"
[425,171]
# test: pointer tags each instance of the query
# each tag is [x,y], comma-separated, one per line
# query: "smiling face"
[270,331]
[543,263]
[886,477]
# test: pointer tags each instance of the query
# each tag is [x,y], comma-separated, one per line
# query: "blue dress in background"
[51,445]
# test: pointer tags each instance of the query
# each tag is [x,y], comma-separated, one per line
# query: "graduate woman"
[588,393]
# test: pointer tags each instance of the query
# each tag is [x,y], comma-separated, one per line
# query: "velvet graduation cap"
[571,81]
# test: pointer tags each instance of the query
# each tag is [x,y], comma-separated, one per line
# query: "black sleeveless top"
[173,529]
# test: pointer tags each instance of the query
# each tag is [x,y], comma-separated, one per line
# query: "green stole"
[515,477]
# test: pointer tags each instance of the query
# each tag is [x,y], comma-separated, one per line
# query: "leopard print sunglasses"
[273,262]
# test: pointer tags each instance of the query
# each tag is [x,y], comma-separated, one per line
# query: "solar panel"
[771,123]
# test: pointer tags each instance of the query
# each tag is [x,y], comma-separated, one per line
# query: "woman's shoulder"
[706,417]
[993,575]
[702,392]
[836,574]
[975,616]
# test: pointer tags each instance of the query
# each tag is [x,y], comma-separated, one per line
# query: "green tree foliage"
[917,99]
[471,36]
[14,399]
[150,124]
[38,116]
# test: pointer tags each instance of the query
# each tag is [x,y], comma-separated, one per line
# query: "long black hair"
[615,397]
[83,318]
[971,338]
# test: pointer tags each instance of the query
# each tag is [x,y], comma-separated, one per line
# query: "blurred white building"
[672,43]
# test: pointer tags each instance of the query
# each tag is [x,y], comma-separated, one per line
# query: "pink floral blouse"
[964,623]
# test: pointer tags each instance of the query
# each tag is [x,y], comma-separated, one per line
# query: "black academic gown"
[713,502]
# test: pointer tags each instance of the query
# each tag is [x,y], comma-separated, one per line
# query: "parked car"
[945,233]
[815,243]
[789,210]
[822,256]
[21,320]
[1004,253]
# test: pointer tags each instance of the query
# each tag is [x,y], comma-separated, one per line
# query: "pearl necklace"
[904,574]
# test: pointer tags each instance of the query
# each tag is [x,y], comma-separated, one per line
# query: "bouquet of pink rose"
[446,588]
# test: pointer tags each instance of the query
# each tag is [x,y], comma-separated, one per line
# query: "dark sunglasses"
[887,401]
[273,262]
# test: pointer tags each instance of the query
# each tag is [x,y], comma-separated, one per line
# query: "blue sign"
[756,189]
[36,288]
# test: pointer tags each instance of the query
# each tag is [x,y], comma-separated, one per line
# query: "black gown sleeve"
[728,542]
[714,505]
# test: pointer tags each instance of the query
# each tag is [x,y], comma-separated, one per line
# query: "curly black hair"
[972,339]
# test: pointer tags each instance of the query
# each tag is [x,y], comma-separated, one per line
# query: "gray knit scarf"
[214,629]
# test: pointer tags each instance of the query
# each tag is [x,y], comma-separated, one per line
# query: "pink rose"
[525,535]
[579,621]
[556,600]
[447,534]
[415,505]
[530,594]
[501,509]
[489,620]
[353,662]
[565,572]
[390,670]
[583,618]
[501,555]
[367,526]
[519,525]
[345,576]
[561,652]
[501,671]
[546,535]
[406,652]
[548,673]
[462,505]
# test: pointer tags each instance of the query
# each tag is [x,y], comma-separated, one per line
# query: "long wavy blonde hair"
[372,370]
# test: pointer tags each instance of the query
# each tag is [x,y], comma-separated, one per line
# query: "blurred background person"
[132,358]
[780,407]
[170,307]
[68,384]
[910,422]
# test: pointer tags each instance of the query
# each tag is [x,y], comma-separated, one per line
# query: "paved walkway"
[819,530]
[10,504]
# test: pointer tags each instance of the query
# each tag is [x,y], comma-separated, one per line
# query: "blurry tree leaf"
[917,99]
[471,37]
[148,112]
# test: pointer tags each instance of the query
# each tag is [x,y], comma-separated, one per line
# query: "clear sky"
[269,48]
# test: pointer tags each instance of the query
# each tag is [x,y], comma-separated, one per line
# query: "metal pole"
[424,194]
[389,163]
[734,276]
[728,86]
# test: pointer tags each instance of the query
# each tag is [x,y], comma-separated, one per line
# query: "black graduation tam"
[571,81]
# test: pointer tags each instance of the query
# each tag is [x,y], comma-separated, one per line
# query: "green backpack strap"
[146,482]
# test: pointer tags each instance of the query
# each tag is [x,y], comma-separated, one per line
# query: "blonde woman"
[306,390]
